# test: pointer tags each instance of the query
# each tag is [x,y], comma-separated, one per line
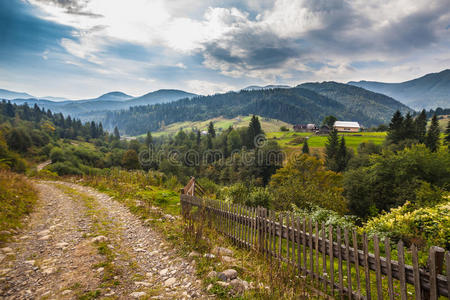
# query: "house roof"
[346,124]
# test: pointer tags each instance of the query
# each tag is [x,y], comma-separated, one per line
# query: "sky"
[83,48]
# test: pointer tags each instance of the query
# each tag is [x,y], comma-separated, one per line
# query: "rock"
[48,271]
[138,295]
[209,287]
[66,292]
[194,254]
[61,245]
[6,250]
[228,259]
[238,286]
[163,272]
[139,250]
[44,238]
[142,283]
[209,255]
[30,262]
[99,239]
[171,281]
[44,232]
[99,270]
[212,275]
[227,275]
[222,251]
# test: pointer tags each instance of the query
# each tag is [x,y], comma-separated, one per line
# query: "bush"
[284,128]
[65,168]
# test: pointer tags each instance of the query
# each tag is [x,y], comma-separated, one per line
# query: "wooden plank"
[366,266]
[415,264]
[356,259]
[331,255]
[401,264]
[280,252]
[376,248]
[349,266]
[288,235]
[316,247]
[432,262]
[299,241]
[340,271]
[324,259]
[266,231]
[387,250]
[293,241]
[305,266]
[447,268]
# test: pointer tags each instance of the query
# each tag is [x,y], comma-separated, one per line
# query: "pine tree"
[116,133]
[209,144]
[342,156]
[305,148]
[395,131]
[199,137]
[211,130]
[432,137]
[331,150]
[254,129]
[420,126]
[148,139]
[408,127]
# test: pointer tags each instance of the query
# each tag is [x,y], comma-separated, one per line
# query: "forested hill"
[358,100]
[429,91]
[294,105]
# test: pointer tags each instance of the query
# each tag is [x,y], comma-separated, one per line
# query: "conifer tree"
[409,131]
[211,130]
[254,129]
[420,126]
[331,150]
[395,131]
[342,157]
[447,135]
[116,133]
[199,138]
[305,148]
[432,137]
[148,139]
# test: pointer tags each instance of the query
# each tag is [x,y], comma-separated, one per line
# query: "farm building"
[324,129]
[305,127]
[345,126]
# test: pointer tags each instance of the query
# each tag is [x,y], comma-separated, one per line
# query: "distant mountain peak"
[267,87]
[113,96]
[9,95]
[429,91]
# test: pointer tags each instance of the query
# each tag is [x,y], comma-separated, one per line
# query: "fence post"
[435,262]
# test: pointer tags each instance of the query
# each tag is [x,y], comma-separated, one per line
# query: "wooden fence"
[338,262]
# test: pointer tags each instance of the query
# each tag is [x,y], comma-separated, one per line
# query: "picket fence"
[304,247]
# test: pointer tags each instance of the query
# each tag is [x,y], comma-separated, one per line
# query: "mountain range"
[94,109]
[308,103]
[429,91]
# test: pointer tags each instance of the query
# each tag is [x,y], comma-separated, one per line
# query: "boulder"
[227,275]
[220,251]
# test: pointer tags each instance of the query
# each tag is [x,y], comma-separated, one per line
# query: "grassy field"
[287,139]
[220,124]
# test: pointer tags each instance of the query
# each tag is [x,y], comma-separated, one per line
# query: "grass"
[17,199]
[317,142]
[220,124]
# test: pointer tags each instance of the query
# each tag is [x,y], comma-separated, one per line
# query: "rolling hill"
[291,105]
[9,95]
[429,91]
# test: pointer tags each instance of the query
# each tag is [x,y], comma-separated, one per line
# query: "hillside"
[6,94]
[358,100]
[294,105]
[220,124]
[429,91]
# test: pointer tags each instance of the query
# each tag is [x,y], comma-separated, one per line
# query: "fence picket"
[331,254]
[376,249]
[299,239]
[280,251]
[293,241]
[401,265]
[415,263]
[305,266]
[324,259]
[341,275]
[288,234]
[316,246]
[356,258]
[366,266]
[387,250]
[349,265]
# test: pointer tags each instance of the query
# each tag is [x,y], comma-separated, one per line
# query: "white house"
[345,126]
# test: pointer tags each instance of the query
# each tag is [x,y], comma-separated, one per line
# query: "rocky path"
[80,242]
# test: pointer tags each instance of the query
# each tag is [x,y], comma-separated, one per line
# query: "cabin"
[324,129]
[305,128]
[346,126]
